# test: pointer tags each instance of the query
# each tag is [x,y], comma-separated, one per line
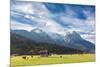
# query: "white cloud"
[80,25]
[20,26]
[22,7]
[48,24]
[54,27]
[89,37]
[43,17]
[88,23]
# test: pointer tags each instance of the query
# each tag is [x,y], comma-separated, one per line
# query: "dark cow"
[60,56]
[24,57]
[31,56]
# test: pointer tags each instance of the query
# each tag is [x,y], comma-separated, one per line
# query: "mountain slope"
[21,45]
[34,35]
[74,40]
[71,39]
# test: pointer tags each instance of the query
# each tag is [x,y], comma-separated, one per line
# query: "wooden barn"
[44,53]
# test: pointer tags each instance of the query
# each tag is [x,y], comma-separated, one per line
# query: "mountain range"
[71,40]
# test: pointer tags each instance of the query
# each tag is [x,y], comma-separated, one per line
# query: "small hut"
[44,53]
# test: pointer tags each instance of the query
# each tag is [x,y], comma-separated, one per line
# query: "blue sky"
[54,17]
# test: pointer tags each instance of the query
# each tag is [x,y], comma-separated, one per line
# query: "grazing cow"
[60,56]
[24,57]
[31,56]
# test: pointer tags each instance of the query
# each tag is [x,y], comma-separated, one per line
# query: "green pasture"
[17,61]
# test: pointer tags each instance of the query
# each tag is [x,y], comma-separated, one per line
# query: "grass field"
[17,61]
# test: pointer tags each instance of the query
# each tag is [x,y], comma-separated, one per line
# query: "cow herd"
[31,56]
[27,57]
